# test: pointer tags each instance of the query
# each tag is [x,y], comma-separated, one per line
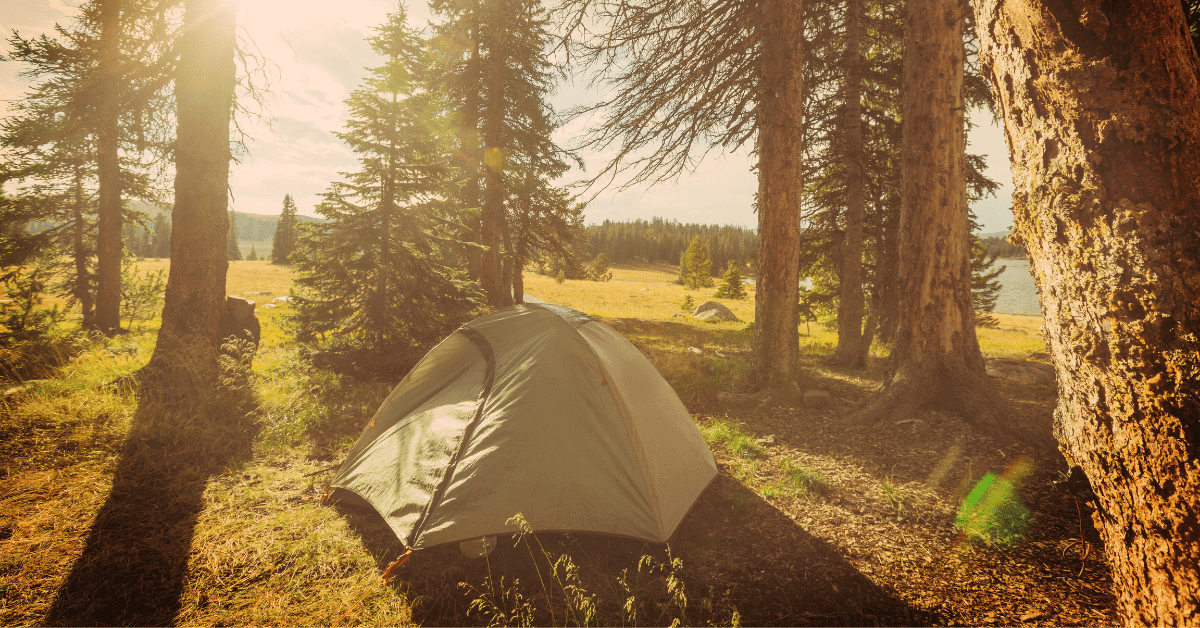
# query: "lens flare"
[993,512]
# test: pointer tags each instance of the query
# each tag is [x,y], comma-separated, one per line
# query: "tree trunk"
[387,203]
[935,358]
[474,159]
[492,218]
[850,303]
[776,301]
[190,338]
[83,287]
[518,279]
[1102,116]
[108,170]
[490,229]
[507,270]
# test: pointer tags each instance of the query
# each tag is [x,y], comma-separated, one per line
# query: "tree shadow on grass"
[134,563]
[737,552]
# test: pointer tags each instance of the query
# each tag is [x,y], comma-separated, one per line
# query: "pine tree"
[372,275]
[494,70]
[53,138]
[731,284]
[232,250]
[253,256]
[162,236]
[692,75]
[698,264]
[598,269]
[284,242]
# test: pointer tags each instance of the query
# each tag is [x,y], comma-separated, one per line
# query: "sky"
[317,56]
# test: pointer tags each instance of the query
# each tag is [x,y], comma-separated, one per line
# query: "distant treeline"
[663,241]
[141,240]
[1004,249]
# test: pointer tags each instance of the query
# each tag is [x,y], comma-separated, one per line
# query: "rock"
[1039,356]
[282,299]
[28,384]
[696,350]
[710,310]
[1020,371]
[817,399]
[720,355]
[269,306]
[239,322]
[767,440]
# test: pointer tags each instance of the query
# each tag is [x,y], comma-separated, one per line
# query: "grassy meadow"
[110,514]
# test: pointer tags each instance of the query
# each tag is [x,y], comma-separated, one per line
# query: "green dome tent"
[538,410]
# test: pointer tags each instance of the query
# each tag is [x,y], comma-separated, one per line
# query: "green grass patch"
[728,436]
[802,479]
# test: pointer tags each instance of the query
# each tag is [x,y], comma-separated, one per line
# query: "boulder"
[238,321]
[711,310]
[1020,371]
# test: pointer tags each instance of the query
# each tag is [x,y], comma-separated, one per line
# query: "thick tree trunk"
[935,357]
[190,338]
[776,301]
[1102,115]
[850,302]
[108,170]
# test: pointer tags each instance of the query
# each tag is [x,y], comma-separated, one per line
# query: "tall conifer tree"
[373,273]
[495,72]
[284,242]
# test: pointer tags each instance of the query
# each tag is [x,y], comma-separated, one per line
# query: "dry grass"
[114,510]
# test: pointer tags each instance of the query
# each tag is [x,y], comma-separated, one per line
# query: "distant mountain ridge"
[250,227]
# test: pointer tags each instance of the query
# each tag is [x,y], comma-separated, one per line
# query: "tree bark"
[492,216]
[849,350]
[387,206]
[518,279]
[1102,116]
[189,339]
[108,170]
[474,157]
[83,285]
[935,358]
[780,134]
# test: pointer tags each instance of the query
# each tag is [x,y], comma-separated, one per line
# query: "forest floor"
[920,521]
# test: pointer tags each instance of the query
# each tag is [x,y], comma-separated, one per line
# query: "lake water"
[1018,295]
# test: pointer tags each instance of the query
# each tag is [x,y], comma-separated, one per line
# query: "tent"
[535,409]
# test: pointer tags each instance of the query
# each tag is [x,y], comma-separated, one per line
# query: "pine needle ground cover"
[114,511]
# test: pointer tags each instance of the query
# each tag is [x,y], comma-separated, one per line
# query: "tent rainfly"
[538,410]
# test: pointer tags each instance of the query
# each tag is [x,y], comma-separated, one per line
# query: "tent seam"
[489,356]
